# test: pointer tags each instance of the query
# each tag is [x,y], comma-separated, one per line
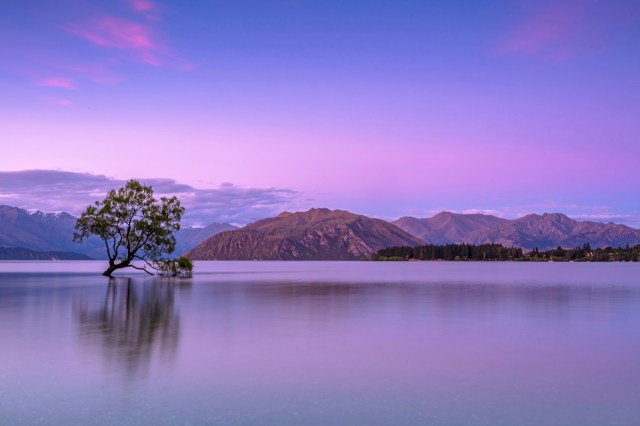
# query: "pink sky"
[384,111]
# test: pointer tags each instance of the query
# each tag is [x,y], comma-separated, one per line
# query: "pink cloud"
[561,30]
[116,33]
[552,25]
[142,5]
[146,8]
[61,82]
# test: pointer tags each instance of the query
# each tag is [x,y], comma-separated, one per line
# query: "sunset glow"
[386,108]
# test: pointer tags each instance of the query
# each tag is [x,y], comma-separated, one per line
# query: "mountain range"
[318,234]
[40,232]
[322,234]
[544,232]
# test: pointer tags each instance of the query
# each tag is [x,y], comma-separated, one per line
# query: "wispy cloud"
[55,191]
[59,82]
[491,212]
[147,8]
[549,27]
[561,30]
[135,38]
[118,37]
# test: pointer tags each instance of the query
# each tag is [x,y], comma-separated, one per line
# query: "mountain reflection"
[135,325]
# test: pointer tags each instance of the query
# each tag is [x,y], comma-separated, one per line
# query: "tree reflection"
[135,325]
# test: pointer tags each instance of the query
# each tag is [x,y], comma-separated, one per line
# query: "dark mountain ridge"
[19,253]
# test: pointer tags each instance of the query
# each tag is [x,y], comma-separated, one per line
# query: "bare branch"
[145,261]
[140,269]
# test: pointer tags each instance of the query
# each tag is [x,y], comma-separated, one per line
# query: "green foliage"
[180,267]
[459,252]
[132,224]
[587,254]
[464,252]
[185,264]
[389,258]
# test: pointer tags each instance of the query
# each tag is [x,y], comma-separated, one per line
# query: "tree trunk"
[113,266]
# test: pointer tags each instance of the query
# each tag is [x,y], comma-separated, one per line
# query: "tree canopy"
[133,225]
[498,252]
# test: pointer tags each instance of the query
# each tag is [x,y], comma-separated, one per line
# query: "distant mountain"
[39,231]
[545,231]
[187,238]
[318,234]
[446,227]
[18,253]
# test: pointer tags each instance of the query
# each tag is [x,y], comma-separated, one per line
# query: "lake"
[321,343]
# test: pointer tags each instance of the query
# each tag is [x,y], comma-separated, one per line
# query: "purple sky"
[387,108]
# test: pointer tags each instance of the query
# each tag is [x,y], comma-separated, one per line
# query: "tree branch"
[144,260]
[106,244]
[140,269]
[129,222]
[139,246]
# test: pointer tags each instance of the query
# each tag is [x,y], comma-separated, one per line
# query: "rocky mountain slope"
[542,231]
[318,234]
[446,227]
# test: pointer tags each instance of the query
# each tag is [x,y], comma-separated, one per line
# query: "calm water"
[321,343]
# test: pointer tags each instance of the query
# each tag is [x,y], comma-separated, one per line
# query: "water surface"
[321,343]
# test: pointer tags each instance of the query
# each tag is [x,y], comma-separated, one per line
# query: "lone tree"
[133,225]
